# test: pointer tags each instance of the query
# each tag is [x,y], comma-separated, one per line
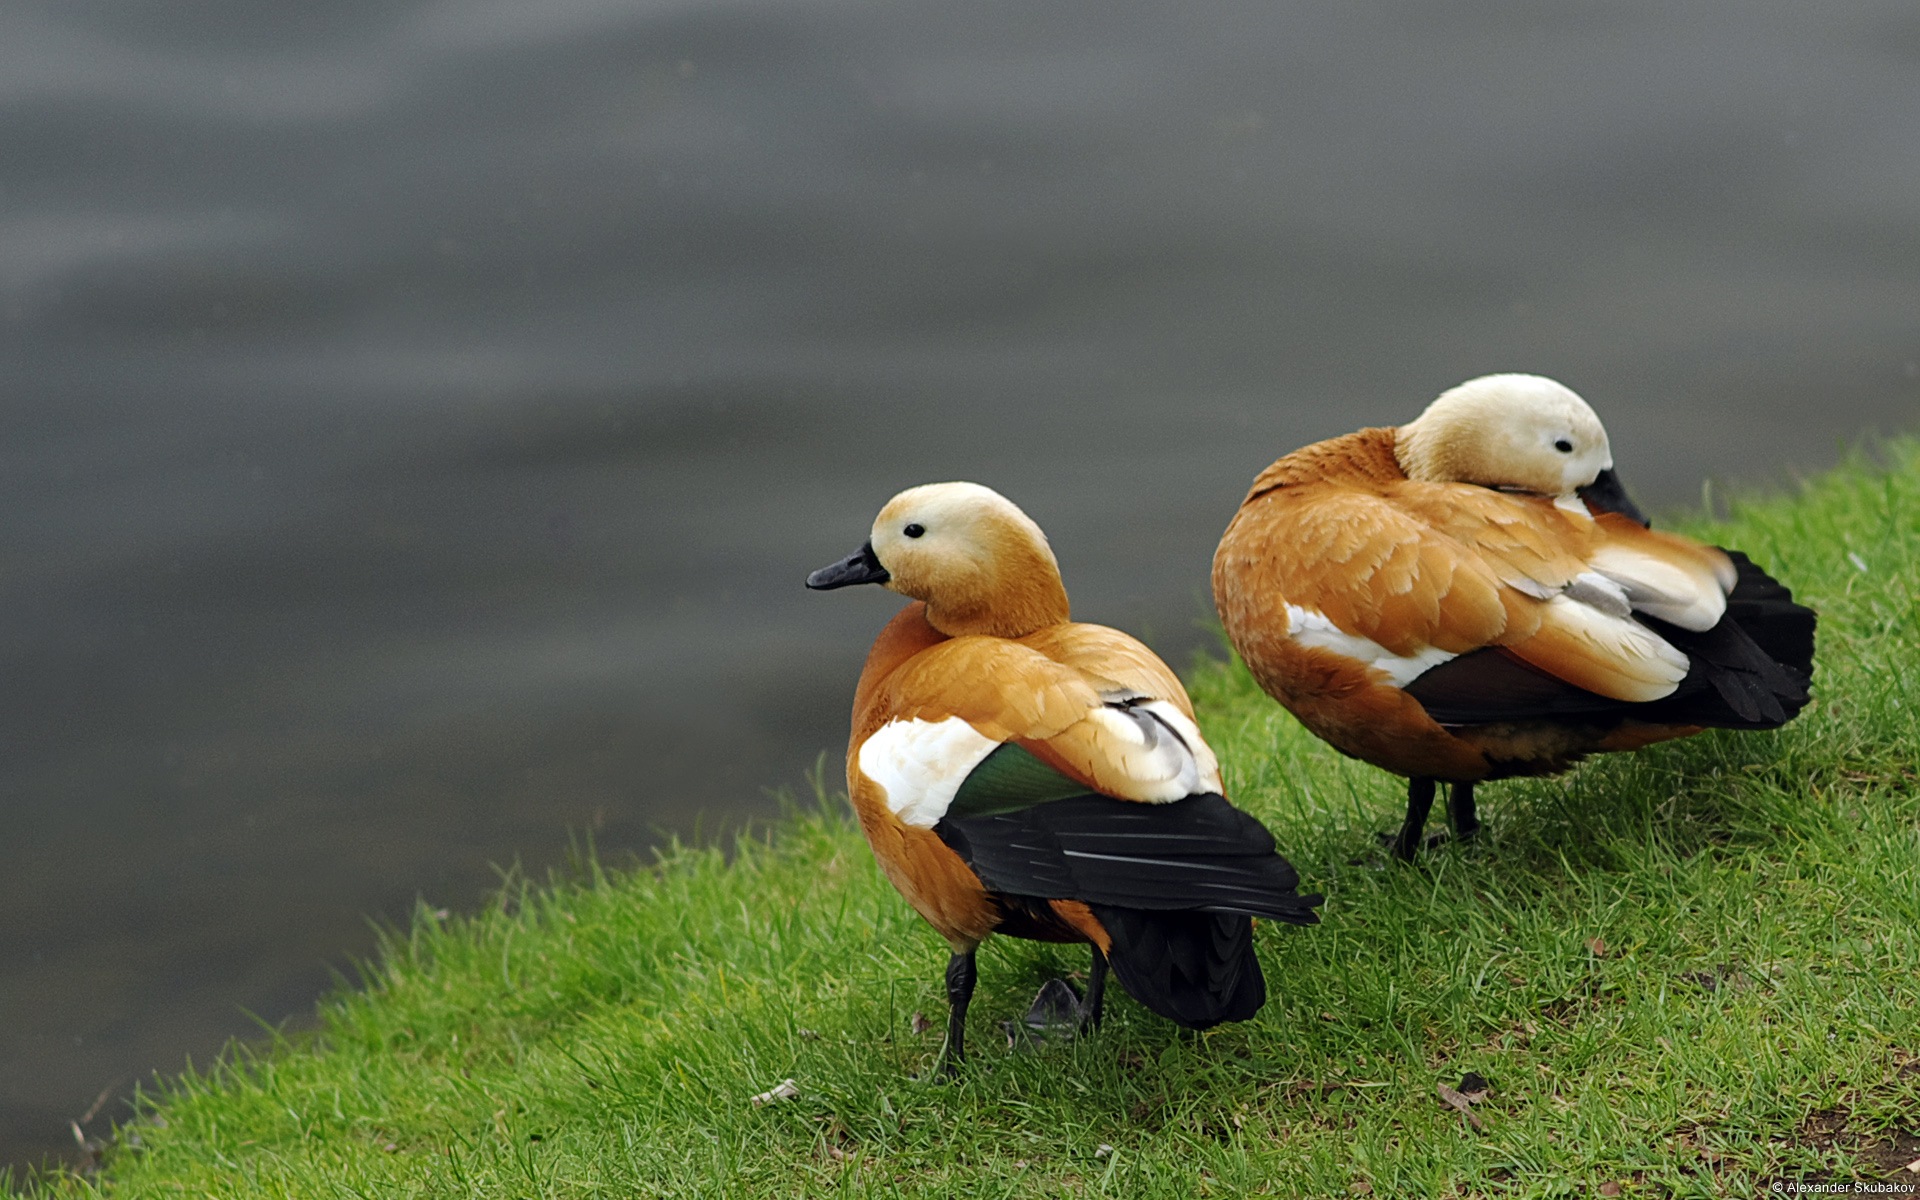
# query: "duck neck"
[1022,595]
[1426,453]
[905,636]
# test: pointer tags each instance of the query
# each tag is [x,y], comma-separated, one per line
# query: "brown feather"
[1111,661]
[1001,686]
[1078,917]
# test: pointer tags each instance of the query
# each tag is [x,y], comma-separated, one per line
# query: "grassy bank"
[1689,971]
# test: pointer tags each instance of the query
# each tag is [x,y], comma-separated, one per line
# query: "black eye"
[914,530]
[1563,446]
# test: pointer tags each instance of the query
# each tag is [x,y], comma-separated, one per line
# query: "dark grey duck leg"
[960,981]
[1093,1005]
[1419,804]
[1466,822]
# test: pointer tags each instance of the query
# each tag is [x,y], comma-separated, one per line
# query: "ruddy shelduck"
[1473,596]
[1021,773]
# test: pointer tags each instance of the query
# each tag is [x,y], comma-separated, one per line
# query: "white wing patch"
[919,765]
[1157,749]
[1311,628]
[1689,599]
[1652,667]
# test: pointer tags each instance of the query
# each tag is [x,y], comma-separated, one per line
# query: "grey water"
[417,417]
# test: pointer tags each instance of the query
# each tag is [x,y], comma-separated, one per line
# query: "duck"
[1017,772]
[1474,595]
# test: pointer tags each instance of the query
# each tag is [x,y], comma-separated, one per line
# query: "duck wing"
[1749,667]
[1110,738]
[1407,577]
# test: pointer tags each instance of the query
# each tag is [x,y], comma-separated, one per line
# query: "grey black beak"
[859,567]
[1605,494]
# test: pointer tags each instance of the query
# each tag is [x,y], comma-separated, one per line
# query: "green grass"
[1677,968]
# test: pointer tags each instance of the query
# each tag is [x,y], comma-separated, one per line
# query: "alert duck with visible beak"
[1020,773]
[1473,596]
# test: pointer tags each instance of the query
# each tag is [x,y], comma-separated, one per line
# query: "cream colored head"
[1510,431]
[981,564]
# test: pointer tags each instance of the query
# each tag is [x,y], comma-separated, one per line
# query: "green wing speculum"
[1008,780]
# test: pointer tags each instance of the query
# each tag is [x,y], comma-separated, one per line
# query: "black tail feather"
[1764,608]
[1194,968]
[1197,853]
[1750,671]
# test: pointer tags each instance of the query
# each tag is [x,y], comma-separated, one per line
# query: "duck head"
[1521,432]
[980,564]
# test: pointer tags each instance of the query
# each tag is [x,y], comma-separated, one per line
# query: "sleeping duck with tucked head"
[1017,772]
[1472,596]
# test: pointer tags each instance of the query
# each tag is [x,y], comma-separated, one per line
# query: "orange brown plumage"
[1471,596]
[1021,773]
